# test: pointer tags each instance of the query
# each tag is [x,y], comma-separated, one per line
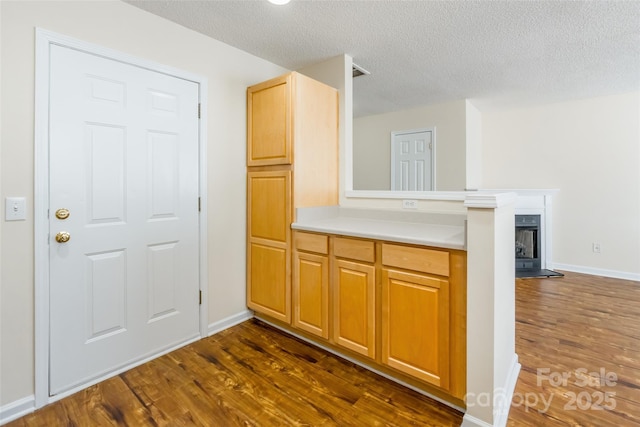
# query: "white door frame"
[433,154]
[44,39]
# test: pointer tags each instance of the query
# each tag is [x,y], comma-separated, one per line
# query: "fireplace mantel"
[536,202]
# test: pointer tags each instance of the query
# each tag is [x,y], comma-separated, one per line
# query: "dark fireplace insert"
[528,248]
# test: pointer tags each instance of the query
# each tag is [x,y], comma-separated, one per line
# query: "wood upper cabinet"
[269,122]
[292,159]
[268,251]
[354,296]
[293,119]
[311,283]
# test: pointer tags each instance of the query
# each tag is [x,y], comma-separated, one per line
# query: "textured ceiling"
[499,54]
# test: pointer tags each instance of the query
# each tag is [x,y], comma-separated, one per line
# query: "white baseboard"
[503,395]
[469,421]
[19,408]
[597,271]
[501,412]
[230,321]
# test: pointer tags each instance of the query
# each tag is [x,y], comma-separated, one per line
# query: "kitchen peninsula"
[424,298]
[391,285]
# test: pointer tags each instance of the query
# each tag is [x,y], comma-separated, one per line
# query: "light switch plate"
[15,209]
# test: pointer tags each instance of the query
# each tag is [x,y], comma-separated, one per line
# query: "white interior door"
[412,160]
[124,163]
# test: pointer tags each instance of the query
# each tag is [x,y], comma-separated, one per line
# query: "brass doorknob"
[63,237]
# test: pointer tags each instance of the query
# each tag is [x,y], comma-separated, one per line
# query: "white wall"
[123,27]
[372,152]
[590,150]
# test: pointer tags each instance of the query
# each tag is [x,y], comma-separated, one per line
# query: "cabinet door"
[269,122]
[415,325]
[354,306]
[268,246]
[311,293]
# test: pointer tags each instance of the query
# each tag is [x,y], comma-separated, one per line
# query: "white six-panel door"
[412,161]
[124,163]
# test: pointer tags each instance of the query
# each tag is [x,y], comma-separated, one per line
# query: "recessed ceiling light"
[279,2]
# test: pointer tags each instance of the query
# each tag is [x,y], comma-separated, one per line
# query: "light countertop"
[418,228]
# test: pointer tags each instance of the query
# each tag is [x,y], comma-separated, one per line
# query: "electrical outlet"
[596,247]
[409,204]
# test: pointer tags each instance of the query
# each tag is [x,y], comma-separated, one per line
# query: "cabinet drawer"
[311,242]
[361,250]
[418,259]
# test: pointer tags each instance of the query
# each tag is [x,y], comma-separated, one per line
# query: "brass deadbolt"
[62,213]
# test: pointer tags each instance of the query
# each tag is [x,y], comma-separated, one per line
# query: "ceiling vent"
[359,71]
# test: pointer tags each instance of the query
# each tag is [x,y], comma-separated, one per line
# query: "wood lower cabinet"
[424,314]
[353,286]
[396,307]
[268,253]
[311,283]
[269,290]
[354,305]
[415,325]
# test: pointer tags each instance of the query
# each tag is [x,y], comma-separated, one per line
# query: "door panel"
[123,147]
[105,173]
[163,176]
[311,292]
[269,124]
[163,283]
[354,307]
[269,290]
[106,290]
[269,198]
[415,325]
[412,161]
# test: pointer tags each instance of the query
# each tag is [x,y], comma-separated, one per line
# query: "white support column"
[492,363]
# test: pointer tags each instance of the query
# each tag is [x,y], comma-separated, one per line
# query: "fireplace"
[533,214]
[527,242]
[528,247]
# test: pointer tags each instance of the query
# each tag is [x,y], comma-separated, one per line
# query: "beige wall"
[372,153]
[2,37]
[123,27]
[474,147]
[590,150]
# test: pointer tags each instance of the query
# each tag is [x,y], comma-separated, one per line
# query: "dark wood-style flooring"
[568,332]
[578,340]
